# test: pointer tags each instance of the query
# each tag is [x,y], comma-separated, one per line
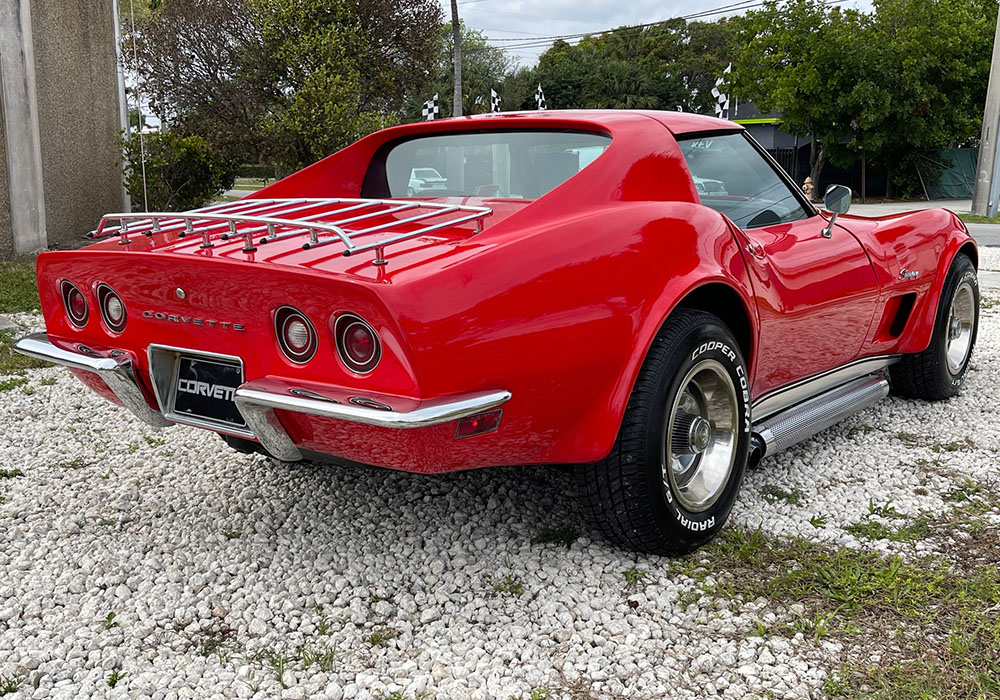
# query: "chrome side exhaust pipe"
[804,420]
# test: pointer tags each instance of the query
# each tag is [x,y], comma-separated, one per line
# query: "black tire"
[631,496]
[929,374]
[410,192]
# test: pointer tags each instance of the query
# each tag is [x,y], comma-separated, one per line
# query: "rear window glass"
[515,164]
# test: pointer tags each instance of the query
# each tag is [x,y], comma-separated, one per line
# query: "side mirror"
[837,200]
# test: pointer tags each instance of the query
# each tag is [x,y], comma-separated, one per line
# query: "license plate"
[204,389]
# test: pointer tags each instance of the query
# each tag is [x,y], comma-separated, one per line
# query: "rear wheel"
[676,468]
[938,372]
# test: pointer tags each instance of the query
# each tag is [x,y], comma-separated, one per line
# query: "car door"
[816,295]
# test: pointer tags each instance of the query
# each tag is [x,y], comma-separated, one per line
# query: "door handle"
[755,249]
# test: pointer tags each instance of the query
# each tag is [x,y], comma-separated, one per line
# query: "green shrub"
[257,171]
[182,172]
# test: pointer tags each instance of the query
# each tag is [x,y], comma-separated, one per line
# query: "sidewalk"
[876,208]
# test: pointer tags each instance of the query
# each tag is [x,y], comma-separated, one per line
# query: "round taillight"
[112,308]
[75,303]
[357,343]
[296,334]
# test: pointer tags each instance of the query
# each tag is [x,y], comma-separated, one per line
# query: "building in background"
[58,66]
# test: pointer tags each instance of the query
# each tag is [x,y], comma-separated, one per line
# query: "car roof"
[676,122]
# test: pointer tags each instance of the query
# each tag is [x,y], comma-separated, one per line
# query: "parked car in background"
[425,181]
[644,294]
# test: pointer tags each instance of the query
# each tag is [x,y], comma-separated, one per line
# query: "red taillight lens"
[112,308]
[75,303]
[478,424]
[357,343]
[296,334]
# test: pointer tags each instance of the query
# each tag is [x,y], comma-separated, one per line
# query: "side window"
[733,178]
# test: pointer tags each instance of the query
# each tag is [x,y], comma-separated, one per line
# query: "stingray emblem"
[905,274]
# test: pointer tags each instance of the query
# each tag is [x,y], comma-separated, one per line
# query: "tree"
[483,67]
[181,172]
[671,65]
[285,80]
[898,83]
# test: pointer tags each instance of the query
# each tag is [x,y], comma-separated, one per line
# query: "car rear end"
[258,345]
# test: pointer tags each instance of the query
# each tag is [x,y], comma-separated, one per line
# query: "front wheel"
[938,372]
[677,466]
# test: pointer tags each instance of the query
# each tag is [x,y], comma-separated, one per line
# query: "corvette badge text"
[191,320]
[213,391]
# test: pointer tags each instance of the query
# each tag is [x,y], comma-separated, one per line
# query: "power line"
[544,41]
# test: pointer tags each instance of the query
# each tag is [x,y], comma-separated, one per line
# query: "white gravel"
[211,560]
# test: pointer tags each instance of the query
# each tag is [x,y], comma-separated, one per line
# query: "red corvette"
[645,294]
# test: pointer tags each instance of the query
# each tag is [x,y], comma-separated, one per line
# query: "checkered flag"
[431,109]
[721,98]
[540,97]
[494,101]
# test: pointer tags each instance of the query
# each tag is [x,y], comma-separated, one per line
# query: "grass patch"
[635,579]
[874,530]
[18,288]
[937,628]
[14,362]
[975,219]
[773,494]
[114,677]
[12,383]
[564,536]
[10,473]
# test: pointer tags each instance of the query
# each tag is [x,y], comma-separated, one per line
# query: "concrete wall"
[74,86]
[76,79]
[6,237]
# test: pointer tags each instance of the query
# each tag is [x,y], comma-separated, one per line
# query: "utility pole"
[985,193]
[456,37]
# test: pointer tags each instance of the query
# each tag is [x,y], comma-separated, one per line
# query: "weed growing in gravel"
[27,390]
[399,695]
[818,521]
[232,535]
[910,439]
[322,657]
[966,491]
[278,660]
[48,381]
[379,637]
[12,383]
[884,511]
[943,620]
[217,643]
[962,445]
[634,578]
[773,494]
[110,622]
[565,536]
[10,684]
[114,677]
[10,473]
[535,694]
[107,522]
[154,441]
[508,584]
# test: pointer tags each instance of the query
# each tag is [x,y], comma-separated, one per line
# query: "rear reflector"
[75,304]
[478,424]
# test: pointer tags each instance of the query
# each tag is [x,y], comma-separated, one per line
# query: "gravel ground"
[168,566]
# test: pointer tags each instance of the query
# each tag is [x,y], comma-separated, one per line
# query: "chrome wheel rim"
[702,433]
[961,323]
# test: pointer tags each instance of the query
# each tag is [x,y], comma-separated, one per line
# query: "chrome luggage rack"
[319,218]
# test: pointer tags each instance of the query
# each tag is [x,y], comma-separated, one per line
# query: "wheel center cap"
[699,435]
[956,328]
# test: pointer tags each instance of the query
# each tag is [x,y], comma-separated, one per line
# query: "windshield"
[516,164]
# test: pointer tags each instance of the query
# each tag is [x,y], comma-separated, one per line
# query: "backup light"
[295,334]
[112,308]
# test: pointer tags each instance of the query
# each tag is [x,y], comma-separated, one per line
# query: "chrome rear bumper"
[112,366]
[258,400]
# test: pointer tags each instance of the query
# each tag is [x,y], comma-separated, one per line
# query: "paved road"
[985,234]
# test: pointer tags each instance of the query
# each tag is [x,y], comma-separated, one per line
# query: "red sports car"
[645,294]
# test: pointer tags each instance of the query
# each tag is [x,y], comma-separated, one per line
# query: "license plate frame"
[207,401]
